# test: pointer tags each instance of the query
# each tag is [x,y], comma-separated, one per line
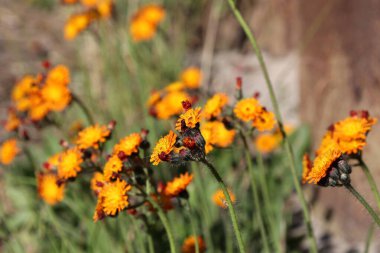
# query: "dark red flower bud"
[189,143]
[132,211]
[46,165]
[46,64]
[111,125]
[353,113]
[364,114]
[186,105]
[99,184]
[256,94]
[64,143]
[164,157]
[331,128]
[122,156]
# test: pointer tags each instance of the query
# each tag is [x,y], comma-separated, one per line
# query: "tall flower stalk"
[371,181]
[288,147]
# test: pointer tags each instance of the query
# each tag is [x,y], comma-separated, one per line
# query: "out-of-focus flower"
[69,163]
[178,185]
[191,77]
[69,1]
[59,75]
[152,13]
[214,106]
[306,167]
[92,136]
[189,119]
[128,145]
[112,167]
[76,24]
[48,189]
[163,148]
[188,245]
[12,122]
[175,86]
[53,161]
[56,96]
[267,142]
[144,23]
[8,151]
[265,121]
[170,105]
[216,134]
[97,182]
[21,91]
[248,109]
[112,199]
[220,199]
[163,200]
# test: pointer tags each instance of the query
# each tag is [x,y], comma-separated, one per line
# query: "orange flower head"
[190,118]
[105,8]
[48,189]
[206,131]
[8,151]
[39,108]
[267,142]
[248,109]
[128,145]
[59,75]
[92,136]
[13,122]
[69,163]
[154,98]
[163,148]
[175,87]
[171,104]
[21,92]
[265,121]
[191,77]
[178,185]
[214,105]
[76,24]
[112,167]
[56,96]
[97,182]
[141,30]
[152,13]
[306,168]
[221,136]
[188,245]
[220,199]
[353,128]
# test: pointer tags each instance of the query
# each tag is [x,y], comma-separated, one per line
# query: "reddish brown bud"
[99,184]
[331,128]
[64,143]
[132,211]
[364,114]
[46,64]
[144,132]
[111,125]
[164,157]
[186,105]
[353,113]
[25,135]
[46,165]
[239,82]
[256,94]
[122,156]
[160,187]
[189,142]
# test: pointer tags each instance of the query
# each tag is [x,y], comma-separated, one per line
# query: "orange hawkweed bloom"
[12,122]
[265,121]
[191,77]
[220,199]
[248,109]
[92,136]
[48,189]
[60,75]
[191,118]
[306,168]
[69,163]
[76,24]
[267,142]
[188,245]
[163,148]
[21,92]
[214,105]
[8,151]
[170,105]
[178,184]
[152,13]
[97,182]
[175,86]
[128,145]
[56,96]
[112,167]
[216,134]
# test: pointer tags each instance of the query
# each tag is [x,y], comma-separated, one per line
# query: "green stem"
[165,222]
[231,208]
[267,202]
[193,227]
[256,200]
[364,203]
[288,147]
[150,243]
[84,108]
[371,181]
[369,238]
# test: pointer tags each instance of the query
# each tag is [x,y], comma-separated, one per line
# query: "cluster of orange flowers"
[166,103]
[92,10]
[343,140]
[145,21]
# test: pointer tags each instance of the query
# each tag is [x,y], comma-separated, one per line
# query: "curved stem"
[84,108]
[150,244]
[231,208]
[364,203]
[371,182]
[193,227]
[165,222]
[369,238]
[288,147]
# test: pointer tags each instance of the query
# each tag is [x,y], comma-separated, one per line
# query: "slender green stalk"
[256,200]
[267,202]
[364,203]
[150,244]
[371,181]
[165,222]
[231,208]
[193,227]
[84,108]
[288,147]
[369,238]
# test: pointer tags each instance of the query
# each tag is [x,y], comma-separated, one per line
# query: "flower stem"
[193,227]
[84,108]
[165,222]
[364,203]
[288,147]
[371,182]
[369,238]
[231,208]
[150,243]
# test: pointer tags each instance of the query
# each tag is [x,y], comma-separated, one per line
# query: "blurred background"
[323,57]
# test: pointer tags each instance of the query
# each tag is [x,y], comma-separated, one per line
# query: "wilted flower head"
[8,151]
[48,189]
[188,245]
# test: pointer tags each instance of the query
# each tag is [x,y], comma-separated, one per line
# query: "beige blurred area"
[323,57]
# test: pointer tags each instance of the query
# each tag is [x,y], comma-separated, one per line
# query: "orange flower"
[76,24]
[152,13]
[248,109]
[97,182]
[191,77]
[171,104]
[220,199]
[267,142]
[306,167]
[38,107]
[48,189]
[92,136]
[8,151]
[21,92]
[206,131]
[128,145]
[69,163]
[188,245]
[178,185]
[214,105]
[113,166]
[163,148]
[175,86]
[56,96]
[191,118]
[265,121]
[59,75]
[13,122]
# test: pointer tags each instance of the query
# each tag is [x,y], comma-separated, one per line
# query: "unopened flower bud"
[344,166]
[186,105]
